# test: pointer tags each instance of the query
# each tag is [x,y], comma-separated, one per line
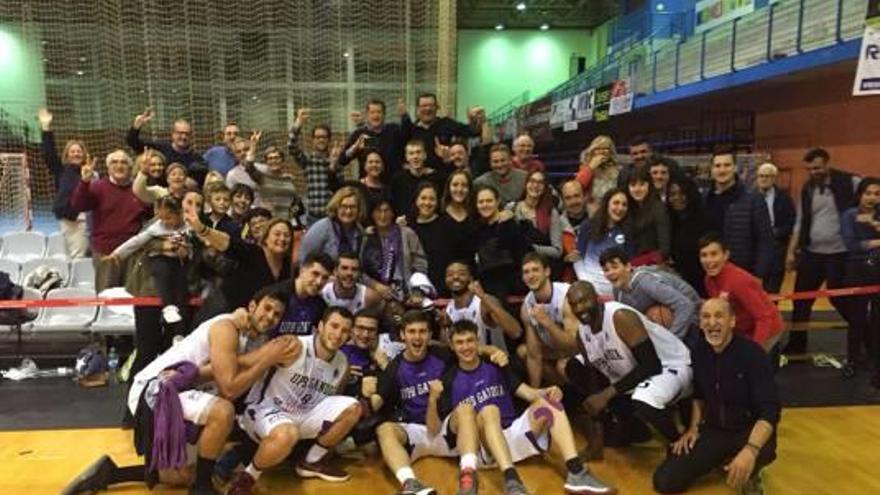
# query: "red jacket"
[117,214]
[756,316]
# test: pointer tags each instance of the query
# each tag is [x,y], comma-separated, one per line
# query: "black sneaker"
[95,478]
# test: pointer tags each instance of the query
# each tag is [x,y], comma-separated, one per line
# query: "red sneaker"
[241,484]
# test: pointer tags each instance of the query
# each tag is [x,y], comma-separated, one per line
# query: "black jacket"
[783,216]
[844,198]
[389,144]
[737,386]
[67,177]
[746,229]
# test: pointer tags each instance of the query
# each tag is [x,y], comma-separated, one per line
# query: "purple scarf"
[170,430]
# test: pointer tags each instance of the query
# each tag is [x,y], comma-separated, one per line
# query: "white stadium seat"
[12,268]
[82,273]
[114,319]
[56,247]
[23,246]
[66,319]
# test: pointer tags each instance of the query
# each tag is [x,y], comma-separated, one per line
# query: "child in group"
[242,200]
[219,199]
[168,272]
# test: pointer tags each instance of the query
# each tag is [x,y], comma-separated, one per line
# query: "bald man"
[735,409]
[638,358]
[782,218]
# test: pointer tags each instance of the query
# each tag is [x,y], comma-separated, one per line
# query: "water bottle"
[113,362]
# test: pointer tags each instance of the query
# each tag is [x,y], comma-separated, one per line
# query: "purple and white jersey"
[301,316]
[355,304]
[403,385]
[487,384]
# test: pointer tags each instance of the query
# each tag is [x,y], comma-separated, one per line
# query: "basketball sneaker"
[95,478]
[515,487]
[242,484]
[585,483]
[413,486]
[322,469]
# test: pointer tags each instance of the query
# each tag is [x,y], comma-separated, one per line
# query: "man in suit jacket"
[782,217]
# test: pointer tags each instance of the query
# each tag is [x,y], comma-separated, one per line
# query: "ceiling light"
[521,6]
[545,26]
[345,54]
[499,27]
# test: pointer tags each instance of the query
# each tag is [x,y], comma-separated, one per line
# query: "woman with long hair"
[605,229]
[598,171]
[648,220]
[860,229]
[539,219]
[687,225]
[500,246]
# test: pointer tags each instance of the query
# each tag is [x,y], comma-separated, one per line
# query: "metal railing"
[782,29]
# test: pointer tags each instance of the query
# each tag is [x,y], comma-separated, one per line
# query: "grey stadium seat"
[114,319]
[66,319]
[23,246]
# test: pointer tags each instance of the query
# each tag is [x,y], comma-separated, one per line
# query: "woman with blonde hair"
[66,172]
[598,172]
[340,231]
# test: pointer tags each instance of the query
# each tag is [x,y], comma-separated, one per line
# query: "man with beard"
[299,400]
[305,305]
[345,290]
[816,248]
[214,351]
[471,302]
[636,356]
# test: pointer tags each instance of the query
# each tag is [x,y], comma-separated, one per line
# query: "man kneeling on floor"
[735,409]
[300,400]
[164,390]
[508,438]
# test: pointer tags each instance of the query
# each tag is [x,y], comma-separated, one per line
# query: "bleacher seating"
[23,246]
[114,320]
[13,268]
[56,247]
[82,273]
[66,319]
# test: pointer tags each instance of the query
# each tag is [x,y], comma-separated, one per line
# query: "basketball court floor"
[831,450]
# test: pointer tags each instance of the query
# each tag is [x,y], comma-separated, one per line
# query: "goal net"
[102,62]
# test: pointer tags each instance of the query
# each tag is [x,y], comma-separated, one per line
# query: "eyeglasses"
[348,207]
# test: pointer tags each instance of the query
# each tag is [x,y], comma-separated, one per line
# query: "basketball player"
[305,305]
[403,393]
[471,302]
[214,347]
[647,286]
[299,400]
[547,341]
[510,438]
[636,355]
[345,290]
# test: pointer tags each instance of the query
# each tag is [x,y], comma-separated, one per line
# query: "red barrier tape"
[155,302]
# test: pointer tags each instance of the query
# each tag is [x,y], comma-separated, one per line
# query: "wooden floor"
[822,451]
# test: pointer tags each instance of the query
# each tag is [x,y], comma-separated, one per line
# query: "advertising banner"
[710,13]
[868,72]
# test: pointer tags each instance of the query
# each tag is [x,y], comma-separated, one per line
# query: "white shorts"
[661,390]
[196,404]
[259,420]
[419,443]
[521,441]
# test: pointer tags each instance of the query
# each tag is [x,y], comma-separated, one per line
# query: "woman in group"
[391,254]
[443,239]
[648,220]
[340,231]
[598,171]
[500,246]
[605,229]
[175,178]
[66,172]
[371,185]
[860,229]
[539,219]
[256,265]
[687,225]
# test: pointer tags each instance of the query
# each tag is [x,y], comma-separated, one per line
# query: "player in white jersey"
[548,342]
[215,348]
[471,302]
[638,357]
[297,401]
[345,290]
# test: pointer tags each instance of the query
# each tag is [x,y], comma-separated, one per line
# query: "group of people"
[644,294]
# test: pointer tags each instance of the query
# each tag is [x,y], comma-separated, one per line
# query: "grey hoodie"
[651,285]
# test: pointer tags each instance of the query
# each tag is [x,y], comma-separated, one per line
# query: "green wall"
[495,67]
[22,90]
